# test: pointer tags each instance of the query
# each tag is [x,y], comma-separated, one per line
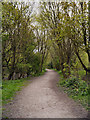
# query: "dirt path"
[42,99]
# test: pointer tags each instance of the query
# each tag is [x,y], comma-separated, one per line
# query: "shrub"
[76,85]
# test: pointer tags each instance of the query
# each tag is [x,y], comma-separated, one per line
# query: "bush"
[60,72]
[76,85]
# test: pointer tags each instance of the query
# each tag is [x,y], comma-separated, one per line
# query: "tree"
[18,37]
[67,30]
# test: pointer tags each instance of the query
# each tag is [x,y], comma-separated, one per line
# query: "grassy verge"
[76,88]
[10,87]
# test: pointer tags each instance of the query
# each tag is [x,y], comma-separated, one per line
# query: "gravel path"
[43,99]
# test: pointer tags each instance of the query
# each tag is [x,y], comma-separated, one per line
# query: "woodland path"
[43,99]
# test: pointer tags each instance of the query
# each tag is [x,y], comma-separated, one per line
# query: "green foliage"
[26,47]
[36,63]
[77,89]
[23,67]
[78,72]
[9,88]
[60,72]
[50,65]
[39,73]
[19,50]
[76,85]
[81,73]
[66,35]
[66,70]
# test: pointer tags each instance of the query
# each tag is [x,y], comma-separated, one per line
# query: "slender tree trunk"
[13,64]
[89,32]
[85,68]
[84,35]
[42,63]
[10,75]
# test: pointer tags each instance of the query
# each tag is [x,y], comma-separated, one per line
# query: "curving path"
[43,99]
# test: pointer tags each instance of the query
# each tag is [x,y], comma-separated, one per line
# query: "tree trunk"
[85,68]
[10,75]
[42,63]
[13,63]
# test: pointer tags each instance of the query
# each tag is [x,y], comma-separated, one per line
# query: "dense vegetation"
[22,55]
[61,30]
[58,37]
[76,88]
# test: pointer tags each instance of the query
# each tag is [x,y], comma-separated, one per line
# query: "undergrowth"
[76,88]
[39,74]
[9,88]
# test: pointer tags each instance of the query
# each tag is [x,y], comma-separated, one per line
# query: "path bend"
[43,99]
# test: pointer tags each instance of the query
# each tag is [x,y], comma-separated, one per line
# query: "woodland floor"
[43,99]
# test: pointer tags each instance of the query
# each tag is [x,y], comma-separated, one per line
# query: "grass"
[76,88]
[10,87]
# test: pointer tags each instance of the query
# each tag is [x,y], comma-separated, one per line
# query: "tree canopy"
[57,36]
